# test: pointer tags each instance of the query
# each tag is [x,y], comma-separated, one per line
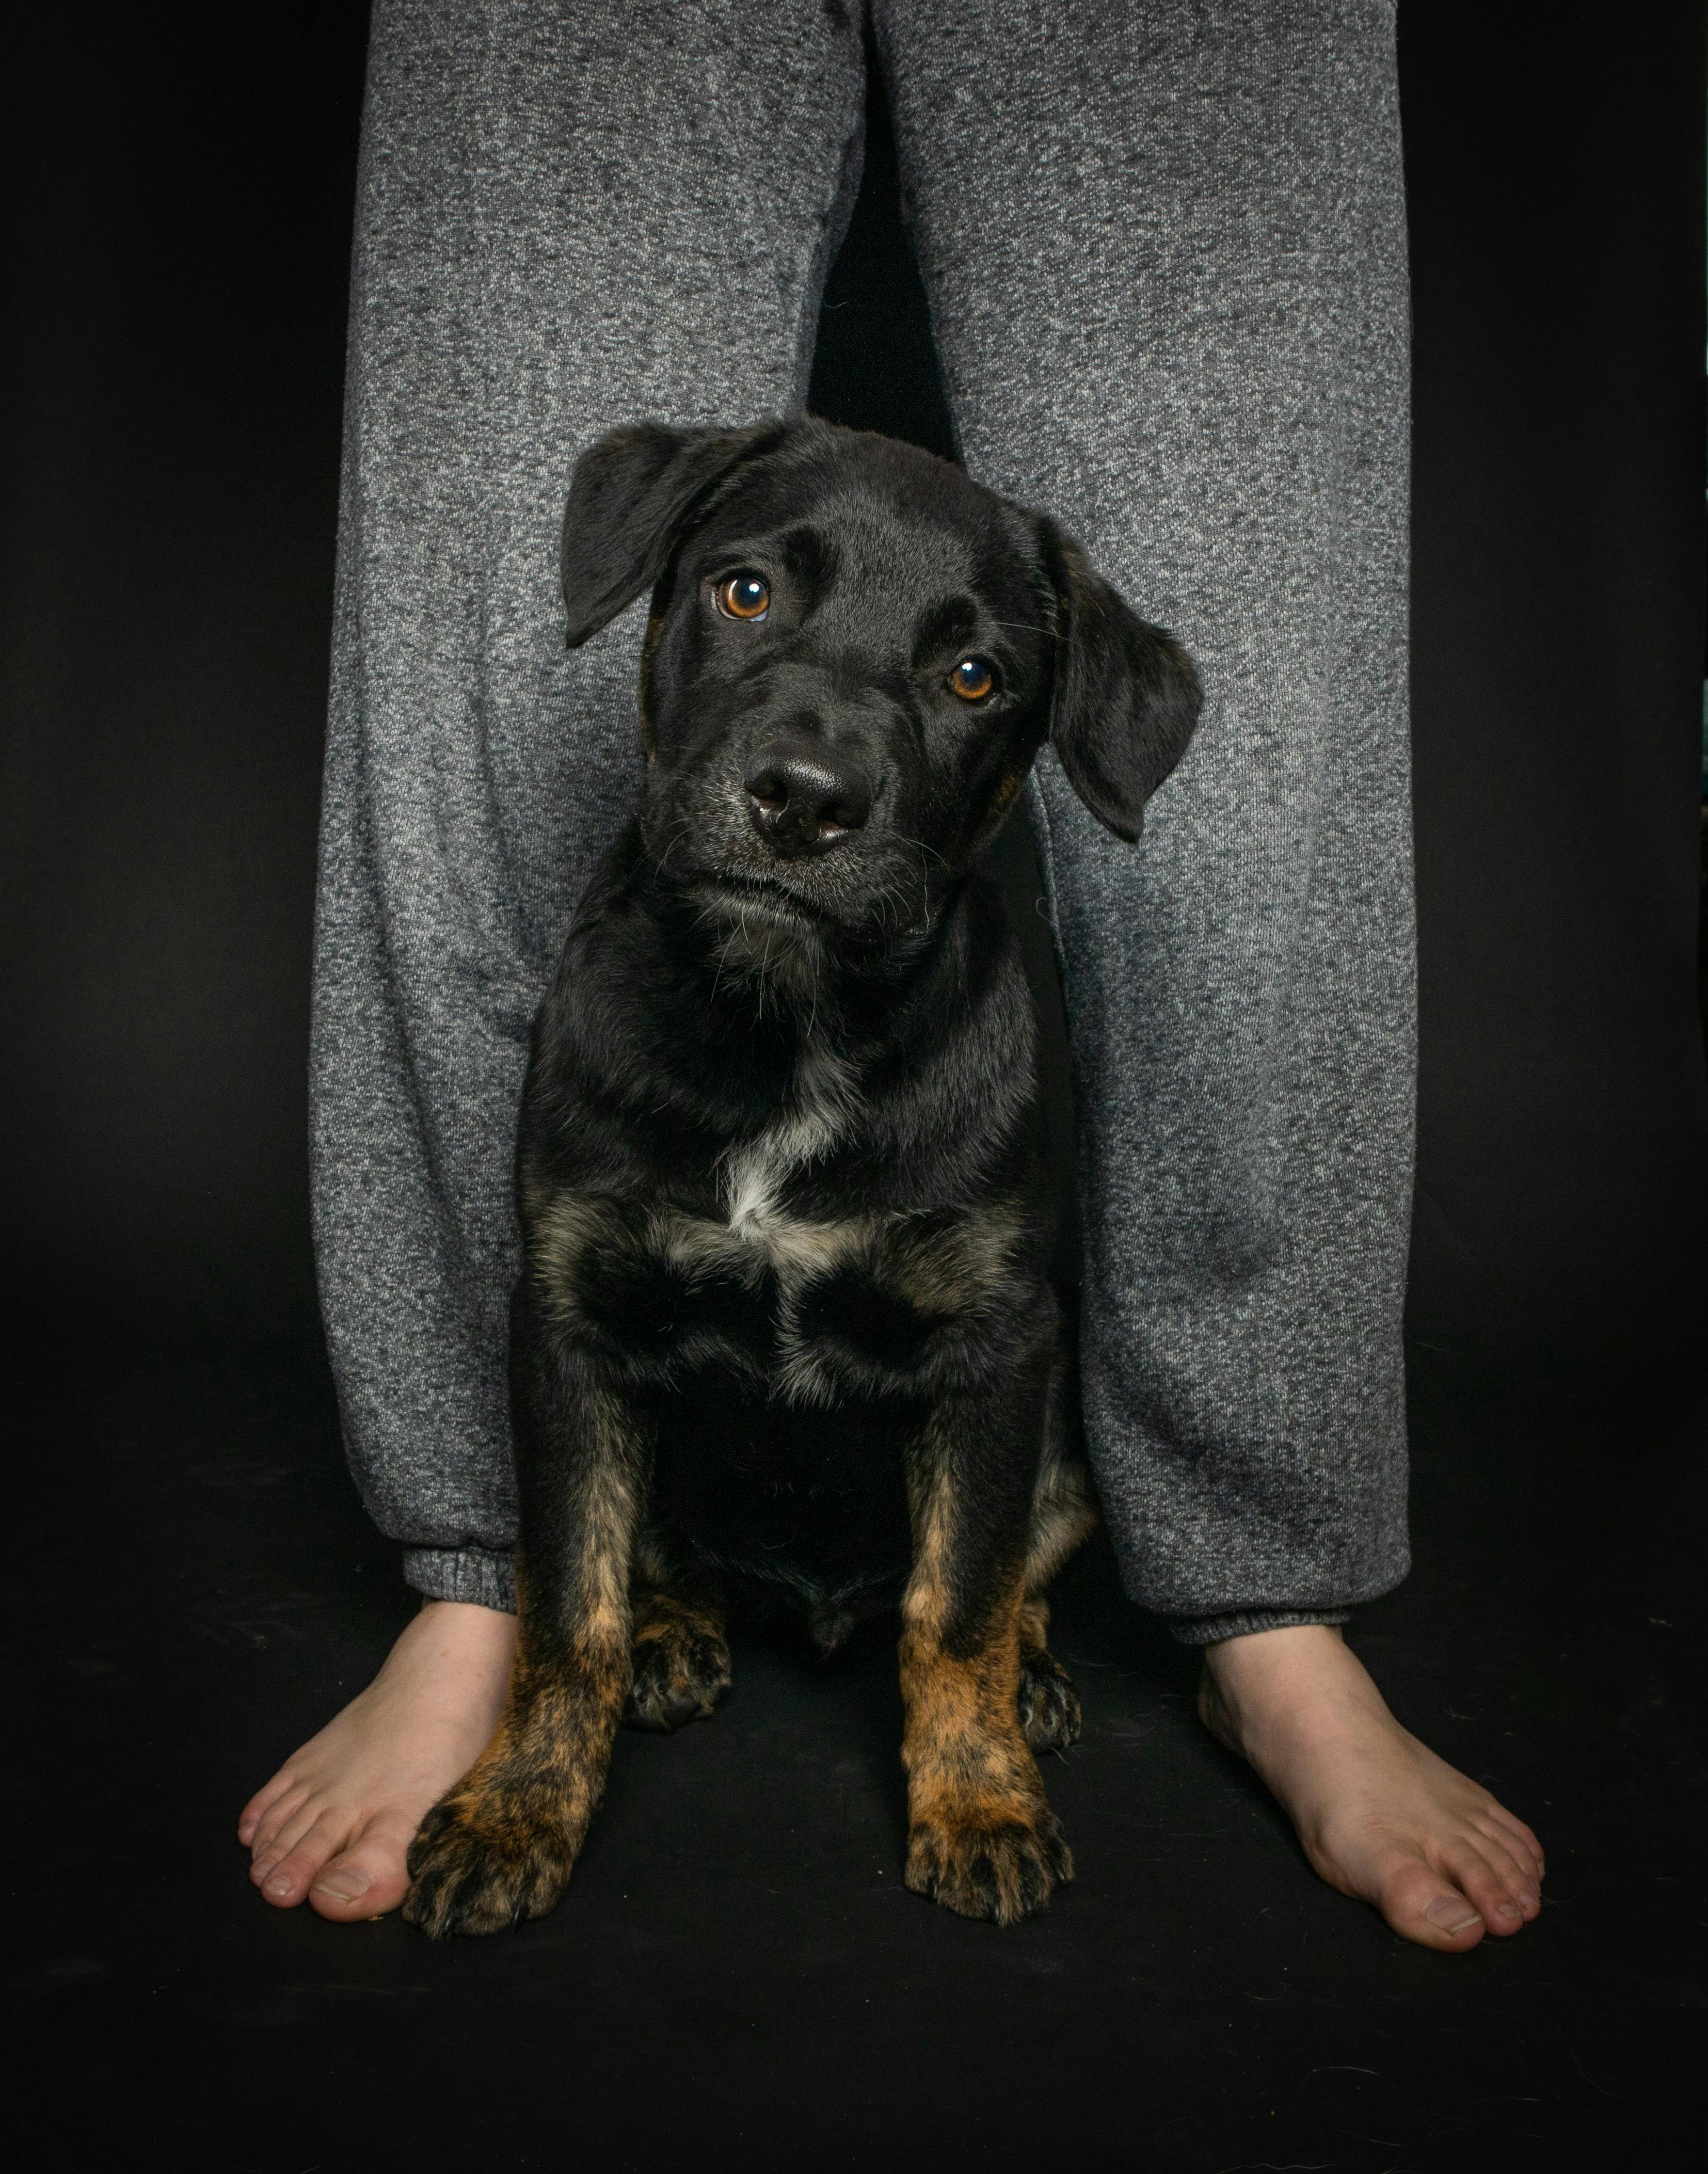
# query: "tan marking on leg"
[981,1838]
[500,1845]
[610,1513]
[1063,1513]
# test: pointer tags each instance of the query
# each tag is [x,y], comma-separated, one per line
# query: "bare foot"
[335,1821]
[1381,1817]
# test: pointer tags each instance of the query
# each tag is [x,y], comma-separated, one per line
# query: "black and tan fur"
[784,1335]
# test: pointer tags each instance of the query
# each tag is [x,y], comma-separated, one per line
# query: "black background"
[194,1588]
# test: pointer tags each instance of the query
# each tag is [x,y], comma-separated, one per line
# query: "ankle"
[1265,1678]
[457,1639]
[464,1623]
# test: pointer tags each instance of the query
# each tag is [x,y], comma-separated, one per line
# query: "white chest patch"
[754,1173]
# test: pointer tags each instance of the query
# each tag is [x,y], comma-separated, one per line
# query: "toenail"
[1450,1914]
[345,1886]
[277,1886]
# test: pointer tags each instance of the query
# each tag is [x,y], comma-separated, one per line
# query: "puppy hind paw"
[998,1869]
[1049,1705]
[679,1676]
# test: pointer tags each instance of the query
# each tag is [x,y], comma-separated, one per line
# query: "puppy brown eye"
[972,679]
[744,596]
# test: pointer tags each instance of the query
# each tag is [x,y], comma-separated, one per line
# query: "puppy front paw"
[1000,1862]
[476,1865]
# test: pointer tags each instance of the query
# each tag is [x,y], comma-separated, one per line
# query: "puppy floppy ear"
[1127,695]
[633,493]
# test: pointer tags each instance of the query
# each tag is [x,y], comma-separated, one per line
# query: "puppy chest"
[812,1313]
[785,1396]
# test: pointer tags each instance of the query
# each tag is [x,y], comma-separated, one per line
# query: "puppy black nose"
[805,796]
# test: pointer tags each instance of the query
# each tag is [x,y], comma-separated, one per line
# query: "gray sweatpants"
[1163,246]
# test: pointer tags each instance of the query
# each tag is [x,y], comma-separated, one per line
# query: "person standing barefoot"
[1164,249]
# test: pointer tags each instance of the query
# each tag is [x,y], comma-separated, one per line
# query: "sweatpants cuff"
[1207,1630]
[475,1574]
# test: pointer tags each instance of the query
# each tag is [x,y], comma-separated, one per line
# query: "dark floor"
[738,1973]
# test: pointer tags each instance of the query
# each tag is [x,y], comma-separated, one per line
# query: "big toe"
[369,1877]
[1421,1906]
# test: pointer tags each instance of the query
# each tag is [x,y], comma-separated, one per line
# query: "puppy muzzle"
[804,798]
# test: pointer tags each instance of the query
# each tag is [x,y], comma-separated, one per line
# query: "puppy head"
[853,656]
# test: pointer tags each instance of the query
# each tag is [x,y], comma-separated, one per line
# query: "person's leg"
[568,219]
[1165,248]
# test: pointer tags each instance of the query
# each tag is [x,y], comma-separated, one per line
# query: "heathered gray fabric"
[1164,249]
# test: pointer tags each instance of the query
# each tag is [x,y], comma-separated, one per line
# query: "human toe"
[1513,1830]
[291,1875]
[280,1824]
[276,1843]
[1492,1880]
[1514,1869]
[1423,1906]
[251,1819]
[369,1877]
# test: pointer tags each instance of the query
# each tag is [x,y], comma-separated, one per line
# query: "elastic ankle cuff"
[1209,1629]
[474,1574]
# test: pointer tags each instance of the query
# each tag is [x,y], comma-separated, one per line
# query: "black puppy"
[784,1331]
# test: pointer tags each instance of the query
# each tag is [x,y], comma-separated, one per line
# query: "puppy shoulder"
[988,1029]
